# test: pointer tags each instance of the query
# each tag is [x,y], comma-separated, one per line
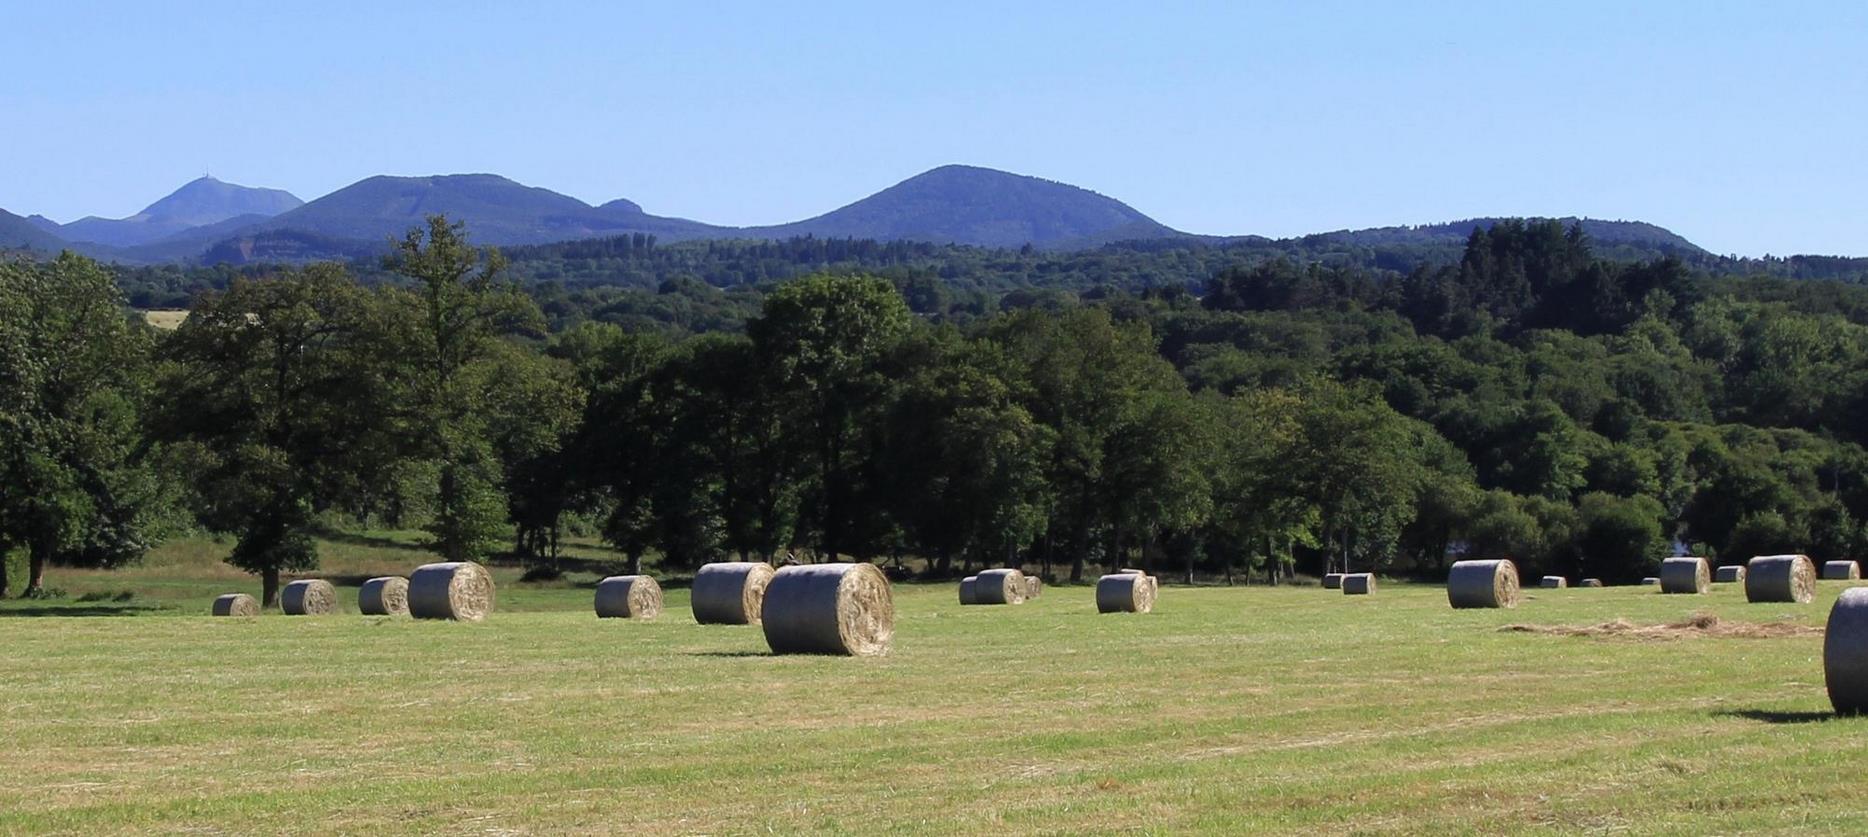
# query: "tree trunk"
[35,569]
[269,587]
[635,563]
[3,565]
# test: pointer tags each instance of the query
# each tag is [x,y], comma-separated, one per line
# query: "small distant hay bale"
[235,604]
[1332,581]
[1780,578]
[1651,581]
[1358,584]
[1845,652]
[829,609]
[628,597]
[1591,582]
[385,596]
[730,592]
[1002,586]
[1553,582]
[1125,593]
[969,590]
[1729,574]
[1685,575]
[1482,584]
[1033,587]
[458,590]
[1841,571]
[308,597]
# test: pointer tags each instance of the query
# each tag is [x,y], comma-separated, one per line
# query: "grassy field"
[1290,709]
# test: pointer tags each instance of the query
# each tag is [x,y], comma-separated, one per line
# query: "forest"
[1225,412]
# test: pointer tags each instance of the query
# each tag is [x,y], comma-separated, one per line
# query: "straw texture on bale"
[1651,581]
[235,604]
[1332,581]
[1358,584]
[1033,587]
[1553,582]
[386,596]
[1482,584]
[308,597]
[1124,593]
[628,597]
[1845,652]
[1003,586]
[969,590]
[1780,578]
[830,609]
[730,593]
[1685,575]
[459,590]
[1841,571]
[1729,574]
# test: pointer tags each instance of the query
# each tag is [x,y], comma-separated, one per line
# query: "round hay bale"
[235,604]
[1591,582]
[1358,584]
[730,593]
[1651,581]
[1780,578]
[1685,575]
[386,596]
[1033,587]
[1553,582]
[458,590]
[1124,593]
[995,587]
[1482,584]
[308,597]
[969,590]
[1729,574]
[1841,571]
[1845,652]
[829,609]
[628,597]
[1332,581]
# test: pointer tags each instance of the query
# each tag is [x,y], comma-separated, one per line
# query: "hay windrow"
[235,604]
[628,597]
[458,590]
[1841,571]
[1001,586]
[308,597]
[1685,575]
[1700,625]
[730,593]
[1845,653]
[385,596]
[1359,584]
[1482,584]
[829,609]
[1780,578]
[1124,593]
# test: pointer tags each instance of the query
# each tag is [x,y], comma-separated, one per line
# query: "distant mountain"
[18,233]
[1637,235]
[44,223]
[200,202]
[985,207]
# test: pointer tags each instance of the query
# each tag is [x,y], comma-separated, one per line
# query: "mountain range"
[208,220]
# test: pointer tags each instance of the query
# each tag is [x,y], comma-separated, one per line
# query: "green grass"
[1290,709]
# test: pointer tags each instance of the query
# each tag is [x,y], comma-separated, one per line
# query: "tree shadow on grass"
[1771,716]
[86,610]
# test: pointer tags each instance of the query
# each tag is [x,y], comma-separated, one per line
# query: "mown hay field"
[1288,709]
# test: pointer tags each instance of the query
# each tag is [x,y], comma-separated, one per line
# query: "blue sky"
[1741,126]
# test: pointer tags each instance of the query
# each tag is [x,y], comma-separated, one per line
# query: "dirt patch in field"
[1701,625]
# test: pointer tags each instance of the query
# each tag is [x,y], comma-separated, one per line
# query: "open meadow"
[1292,708]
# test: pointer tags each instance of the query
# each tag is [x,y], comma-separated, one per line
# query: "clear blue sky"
[1742,126]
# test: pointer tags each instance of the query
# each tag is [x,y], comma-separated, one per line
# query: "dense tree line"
[1528,399]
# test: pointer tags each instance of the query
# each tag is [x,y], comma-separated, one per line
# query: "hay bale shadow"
[1772,716]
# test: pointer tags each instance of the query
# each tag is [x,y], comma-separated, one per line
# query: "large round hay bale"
[969,590]
[1358,584]
[1003,586]
[1553,582]
[386,596]
[459,590]
[1845,652]
[1033,587]
[829,609]
[1841,571]
[1729,574]
[1685,575]
[1332,581]
[628,597]
[235,604]
[1482,584]
[308,597]
[730,593]
[1124,593]
[1780,578]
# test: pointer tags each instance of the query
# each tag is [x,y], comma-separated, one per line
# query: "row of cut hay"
[453,590]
